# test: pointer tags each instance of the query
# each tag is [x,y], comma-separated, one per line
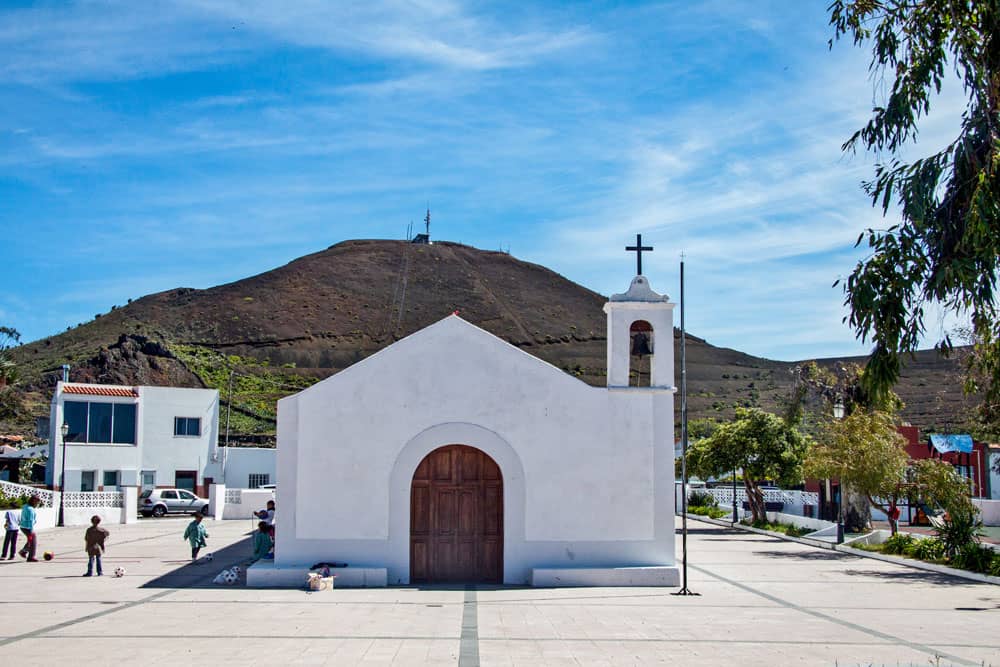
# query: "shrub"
[701,499]
[784,528]
[930,549]
[12,502]
[900,543]
[958,530]
[713,512]
[995,565]
[974,557]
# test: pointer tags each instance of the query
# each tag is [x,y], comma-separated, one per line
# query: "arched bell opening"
[640,354]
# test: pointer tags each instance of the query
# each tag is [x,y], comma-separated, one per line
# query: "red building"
[972,464]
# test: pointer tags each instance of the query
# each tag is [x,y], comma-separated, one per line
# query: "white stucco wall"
[994,465]
[241,462]
[587,472]
[156,448]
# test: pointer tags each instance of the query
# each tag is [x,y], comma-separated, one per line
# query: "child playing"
[267,516]
[196,534]
[11,526]
[262,542]
[27,522]
[94,538]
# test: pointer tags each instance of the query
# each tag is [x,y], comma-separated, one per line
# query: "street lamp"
[735,515]
[64,430]
[838,414]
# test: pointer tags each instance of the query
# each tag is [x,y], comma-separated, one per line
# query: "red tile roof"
[100,390]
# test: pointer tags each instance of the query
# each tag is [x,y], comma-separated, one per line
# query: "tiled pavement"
[762,601]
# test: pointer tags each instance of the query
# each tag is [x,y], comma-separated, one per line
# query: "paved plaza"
[763,601]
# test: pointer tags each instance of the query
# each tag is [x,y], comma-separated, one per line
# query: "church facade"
[452,456]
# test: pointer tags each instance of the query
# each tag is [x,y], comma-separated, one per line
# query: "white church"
[452,456]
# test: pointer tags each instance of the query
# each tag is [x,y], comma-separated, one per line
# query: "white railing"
[724,496]
[11,489]
[94,499]
[234,496]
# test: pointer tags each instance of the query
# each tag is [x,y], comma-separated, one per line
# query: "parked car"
[157,502]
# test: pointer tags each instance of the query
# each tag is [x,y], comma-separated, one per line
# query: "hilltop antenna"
[427,223]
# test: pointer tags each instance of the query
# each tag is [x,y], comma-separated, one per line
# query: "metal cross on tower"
[637,249]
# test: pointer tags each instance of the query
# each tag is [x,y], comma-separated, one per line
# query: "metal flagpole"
[684,448]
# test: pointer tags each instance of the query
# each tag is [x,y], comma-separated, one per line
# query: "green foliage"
[701,499]
[928,549]
[8,502]
[763,445]
[946,248]
[958,531]
[939,484]
[783,528]
[974,557]
[864,451]
[713,512]
[899,544]
[256,386]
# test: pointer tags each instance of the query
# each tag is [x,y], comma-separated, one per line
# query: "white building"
[134,436]
[454,456]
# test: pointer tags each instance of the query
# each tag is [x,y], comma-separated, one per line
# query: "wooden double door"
[456,518]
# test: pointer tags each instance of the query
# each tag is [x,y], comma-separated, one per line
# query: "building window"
[258,480]
[190,426]
[87,480]
[148,479]
[102,423]
[110,479]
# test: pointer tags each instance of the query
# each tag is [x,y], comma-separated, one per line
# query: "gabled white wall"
[588,472]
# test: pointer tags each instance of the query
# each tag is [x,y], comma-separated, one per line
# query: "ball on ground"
[48,555]
[119,571]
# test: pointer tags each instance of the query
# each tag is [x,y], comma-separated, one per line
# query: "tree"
[868,455]
[940,484]
[9,338]
[765,446]
[946,247]
[10,401]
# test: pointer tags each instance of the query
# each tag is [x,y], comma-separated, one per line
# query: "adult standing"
[28,520]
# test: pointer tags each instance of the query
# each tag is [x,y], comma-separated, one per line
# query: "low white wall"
[48,517]
[798,521]
[241,462]
[990,510]
[251,500]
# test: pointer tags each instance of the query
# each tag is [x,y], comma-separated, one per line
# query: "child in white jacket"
[11,527]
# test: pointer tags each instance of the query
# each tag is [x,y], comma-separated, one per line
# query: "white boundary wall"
[112,506]
[990,510]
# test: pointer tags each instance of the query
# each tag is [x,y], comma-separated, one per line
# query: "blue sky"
[209,140]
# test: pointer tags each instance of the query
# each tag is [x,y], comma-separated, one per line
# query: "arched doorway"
[456,518]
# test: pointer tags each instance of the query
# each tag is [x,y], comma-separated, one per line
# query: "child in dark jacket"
[94,538]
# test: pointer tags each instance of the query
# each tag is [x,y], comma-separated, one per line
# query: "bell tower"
[640,326]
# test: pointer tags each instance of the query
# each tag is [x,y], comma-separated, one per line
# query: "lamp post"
[64,430]
[735,515]
[838,414]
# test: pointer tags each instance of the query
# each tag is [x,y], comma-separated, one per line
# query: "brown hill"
[284,329]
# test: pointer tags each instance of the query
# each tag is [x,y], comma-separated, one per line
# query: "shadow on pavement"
[201,574]
[811,555]
[908,576]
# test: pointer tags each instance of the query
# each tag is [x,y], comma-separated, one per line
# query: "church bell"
[641,344]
